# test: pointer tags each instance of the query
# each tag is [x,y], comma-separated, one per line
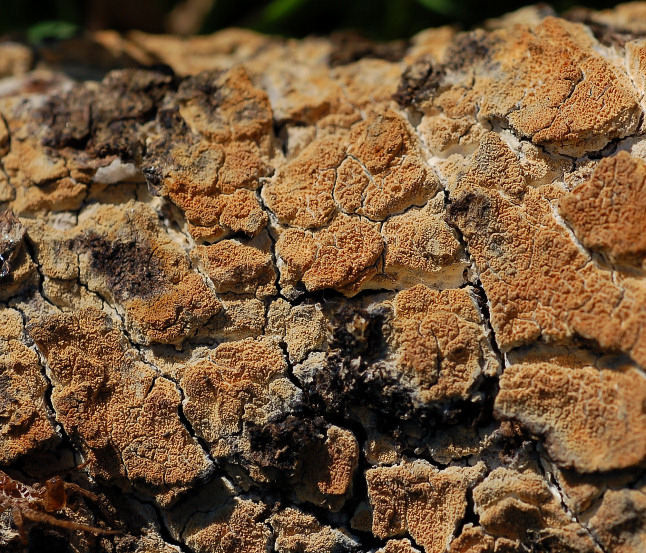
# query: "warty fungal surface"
[327,295]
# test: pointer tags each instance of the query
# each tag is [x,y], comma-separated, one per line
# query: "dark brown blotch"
[419,83]
[468,49]
[12,234]
[129,267]
[350,46]
[470,212]
[283,442]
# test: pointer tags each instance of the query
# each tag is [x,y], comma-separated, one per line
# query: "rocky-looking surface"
[328,296]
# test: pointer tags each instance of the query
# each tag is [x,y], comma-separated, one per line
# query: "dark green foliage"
[40,20]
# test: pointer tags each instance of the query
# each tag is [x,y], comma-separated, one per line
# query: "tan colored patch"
[241,268]
[298,531]
[539,284]
[302,327]
[440,347]
[237,389]
[118,411]
[342,256]
[422,248]
[419,499]
[26,426]
[375,170]
[619,523]
[301,193]
[127,257]
[592,419]
[608,212]
[236,527]
[546,81]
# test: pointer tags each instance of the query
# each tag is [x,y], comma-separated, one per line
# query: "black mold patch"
[106,120]
[281,443]
[470,211]
[348,47]
[467,50]
[130,268]
[12,234]
[420,82]
[354,374]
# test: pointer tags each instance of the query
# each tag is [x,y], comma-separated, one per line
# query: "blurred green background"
[379,19]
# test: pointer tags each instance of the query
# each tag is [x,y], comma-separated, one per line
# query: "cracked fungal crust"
[607,213]
[421,500]
[328,295]
[547,82]
[539,283]
[592,419]
[227,124]
[135,435]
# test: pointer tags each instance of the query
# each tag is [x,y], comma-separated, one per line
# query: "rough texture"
[607,211]
[327,295]
[421,500]
[592,419]
[136,435]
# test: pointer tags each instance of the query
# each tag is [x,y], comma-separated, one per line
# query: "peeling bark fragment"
[20,272]
[421,500]
[117,410]
[608,212]
[509,503]
[398,546]
[329,470]
[473,540]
